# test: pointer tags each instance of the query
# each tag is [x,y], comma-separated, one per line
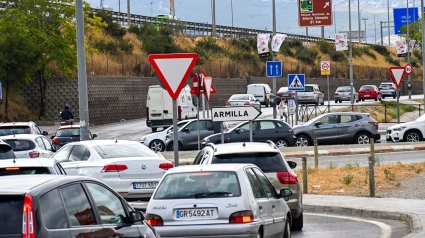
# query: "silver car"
[312,94]
[387,90]
[338,128]
[241,100]
[343,93]
[217,201]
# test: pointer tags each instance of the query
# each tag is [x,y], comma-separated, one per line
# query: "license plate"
[367,95]
[145,185]
[305,97]
[191,213]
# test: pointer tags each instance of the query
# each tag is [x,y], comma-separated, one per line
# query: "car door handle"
[261,207]
[356,125]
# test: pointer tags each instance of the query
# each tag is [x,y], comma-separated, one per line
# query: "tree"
[415,32]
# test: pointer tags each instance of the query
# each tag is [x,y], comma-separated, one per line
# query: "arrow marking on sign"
[235,113]
[326,5]
[277,67]
[271,69]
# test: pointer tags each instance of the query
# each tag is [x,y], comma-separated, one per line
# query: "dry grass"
[17,110]
[334,181]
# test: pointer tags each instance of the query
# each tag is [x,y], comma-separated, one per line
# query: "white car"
[30,166]
[130,168]
[29,145]
[413,131]
[156,141]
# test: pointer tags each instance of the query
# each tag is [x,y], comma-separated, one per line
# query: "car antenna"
[243,144]
[116,141]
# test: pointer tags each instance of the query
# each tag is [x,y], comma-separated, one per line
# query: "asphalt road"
[331,226]
[405,157]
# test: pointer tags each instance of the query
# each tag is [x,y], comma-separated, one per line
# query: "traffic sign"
[235,113]
[397,75]
[274,68]
[207,86]
[213,90]
[325,67]
[195,85]
[318,13]
[408,69]
[173,70]
[400,18]
[296,82]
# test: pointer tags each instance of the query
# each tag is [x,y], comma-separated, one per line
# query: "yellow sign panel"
[325,67]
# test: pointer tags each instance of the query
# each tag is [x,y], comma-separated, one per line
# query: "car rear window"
[308,89]
[20,145]
[345,90]
[68,132]
[23,170]
[367,88]
[124,150]
[199,185]
[386,85]
[239,97]
[14,130]
[11,214]
[266,161]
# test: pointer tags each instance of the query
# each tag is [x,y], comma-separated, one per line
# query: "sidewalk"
[409,210]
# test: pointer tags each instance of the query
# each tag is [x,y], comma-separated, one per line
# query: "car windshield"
[239,97]
[20,145]
[120,150]
[266,161]
[68,132]
[14,130]
[308,89]
[11,215]
[199,185]
[23,170]
[421,118]
[344,90]
[366,88]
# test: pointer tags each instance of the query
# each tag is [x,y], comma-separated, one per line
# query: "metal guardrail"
[202,29]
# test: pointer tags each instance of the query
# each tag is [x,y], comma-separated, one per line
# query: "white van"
[262,92]
[159,107]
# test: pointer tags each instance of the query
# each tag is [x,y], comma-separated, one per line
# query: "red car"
[369,92]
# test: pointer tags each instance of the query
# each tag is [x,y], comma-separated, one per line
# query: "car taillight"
[228,104]
[246,104]
[293,93]
[286,178]
[166,166]
[336,93]
[241,217]
[55,142]
[147,113]
[28,223]
[154,220]
[114,168]
[34,154]
[179,110]
[376,124]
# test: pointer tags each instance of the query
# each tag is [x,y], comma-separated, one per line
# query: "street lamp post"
[365,34]
[388,23]
[231,7]
[374,23]
[408,48]
[358,17]
[351,54]
[333,9]
[423,48]
[274,78]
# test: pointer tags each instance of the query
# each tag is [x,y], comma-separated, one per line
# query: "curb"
[412,219]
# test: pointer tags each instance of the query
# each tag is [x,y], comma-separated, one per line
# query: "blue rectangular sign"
[296,82]
[400,18]
[274,69]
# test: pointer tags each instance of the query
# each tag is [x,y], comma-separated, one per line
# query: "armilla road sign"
[314,13]
[234,113]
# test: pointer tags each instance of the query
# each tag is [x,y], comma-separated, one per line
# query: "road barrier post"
[304,168]
[372,168]
[316,155]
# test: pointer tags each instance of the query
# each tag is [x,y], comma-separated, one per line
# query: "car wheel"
[259,234]
[298,223]
[412,136]
[340,101]
[336,101]
[157,146]
[287,232]
[357,100]
[363,99]
[383,97]
[281,143]
[380,98]
[171,146]
[302,140]
[362,138]
[376,99]
[154,129]
[394,96]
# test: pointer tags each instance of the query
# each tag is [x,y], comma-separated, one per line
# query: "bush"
[294,43]
[347,179]
[418,54]
[357,52]
[338,56]
[114,47]
[210,47]
[245,44]
[324,46]
[245,57]
[414,63]
[286,50]
[380,49]
[306,55]
[368,53]
[390,60]
[113,29]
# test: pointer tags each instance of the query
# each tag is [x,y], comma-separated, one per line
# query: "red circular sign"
[408,69]
[325,66]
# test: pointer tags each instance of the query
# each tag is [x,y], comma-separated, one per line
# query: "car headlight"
[399,129]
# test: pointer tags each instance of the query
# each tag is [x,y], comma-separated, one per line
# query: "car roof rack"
[272,144]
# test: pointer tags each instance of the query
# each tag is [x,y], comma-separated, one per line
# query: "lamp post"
[231,7]
[365,35]
[389,30]
[333,9]
[358,17]
[351,54]
[422,46]
[374,23]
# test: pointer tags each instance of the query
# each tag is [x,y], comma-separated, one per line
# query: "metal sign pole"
[222,133]
[203,105]
[296,108]
[250,131]
[329,99]
[398,105]
[176,137]
[208,109]
[274,78]
[197,118]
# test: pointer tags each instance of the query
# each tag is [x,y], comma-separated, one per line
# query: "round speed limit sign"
[408,69]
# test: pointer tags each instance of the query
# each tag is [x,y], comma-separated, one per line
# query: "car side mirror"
[94,136]
[317,123]
[186,130]
[285,193]
[257,100]
[45,133]
[238,130]
[136,216]
[52,137]
[292,164]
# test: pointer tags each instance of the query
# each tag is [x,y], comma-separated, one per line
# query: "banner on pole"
[341,42]
[263,45]
[277,42]
[401,47]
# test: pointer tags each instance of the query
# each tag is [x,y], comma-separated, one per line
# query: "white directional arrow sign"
[235,113]
[326,5]
[397,74]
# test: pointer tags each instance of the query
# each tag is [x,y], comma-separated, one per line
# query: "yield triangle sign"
[207,85]
[397,74]
[173,70]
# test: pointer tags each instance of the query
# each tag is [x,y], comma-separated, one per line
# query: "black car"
[277,131]
[40,206]
[67,134]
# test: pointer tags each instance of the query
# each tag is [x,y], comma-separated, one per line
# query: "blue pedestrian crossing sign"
[296,82]
[274,68]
